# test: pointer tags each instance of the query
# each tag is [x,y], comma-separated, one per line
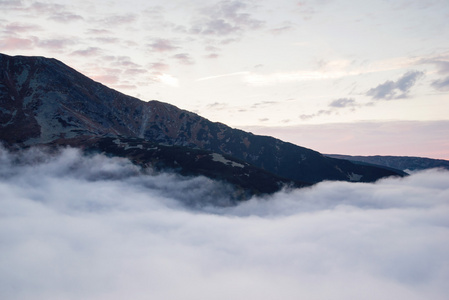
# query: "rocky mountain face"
[43,101]
[404,163]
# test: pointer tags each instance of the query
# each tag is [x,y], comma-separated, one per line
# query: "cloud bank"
[75,227]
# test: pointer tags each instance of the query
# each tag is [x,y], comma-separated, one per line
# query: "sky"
[348,77]
[132,235]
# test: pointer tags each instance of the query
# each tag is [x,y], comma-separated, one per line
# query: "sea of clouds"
[77,227]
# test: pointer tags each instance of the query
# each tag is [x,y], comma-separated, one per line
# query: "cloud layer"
[100,228]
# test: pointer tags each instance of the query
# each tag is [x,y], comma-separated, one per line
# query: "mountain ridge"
[43,100]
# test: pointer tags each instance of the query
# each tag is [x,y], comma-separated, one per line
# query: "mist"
[94,227]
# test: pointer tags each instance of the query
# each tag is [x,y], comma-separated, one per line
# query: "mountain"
[43,101]
[404,163]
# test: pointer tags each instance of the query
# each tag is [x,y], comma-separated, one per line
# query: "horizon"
[339,77]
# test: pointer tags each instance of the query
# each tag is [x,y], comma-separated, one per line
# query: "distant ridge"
[404,163]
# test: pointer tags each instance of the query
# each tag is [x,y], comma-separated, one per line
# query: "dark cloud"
[441,84]
[225,18]
[399,89]
[100,228]
[343,102]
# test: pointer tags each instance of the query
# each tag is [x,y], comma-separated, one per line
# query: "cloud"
[395,89]
[167,79]
[212,55]
[117,20]
[441,84]
[159,66]
[282,29]
[65,17]
[334,107]
[11,4]
[343,102]
[91,51]
[16,27]
[184,58]
[162,45]
[12,43]
[130,235]
[225,18]
[53,11]
[441,61]
[321,112]
[55,43]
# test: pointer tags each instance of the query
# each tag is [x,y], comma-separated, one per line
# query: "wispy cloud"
[441,84]
[17,27]
[343,102]
[12,43]
[184,58]
[119,19]
[398,89]
[286,77]
[64,17]
[162,45]
[225,18]
[159,66]
[55,43]
[322,112]
[91,51]
[223,75]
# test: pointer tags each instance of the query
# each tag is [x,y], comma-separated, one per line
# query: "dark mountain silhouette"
[43,101]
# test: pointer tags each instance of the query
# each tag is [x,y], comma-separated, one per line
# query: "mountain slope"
[42,100]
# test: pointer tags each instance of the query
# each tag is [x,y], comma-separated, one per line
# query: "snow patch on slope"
[219,158]
[354,177]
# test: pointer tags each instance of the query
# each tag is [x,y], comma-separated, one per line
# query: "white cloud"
[97,228]
[168,79]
